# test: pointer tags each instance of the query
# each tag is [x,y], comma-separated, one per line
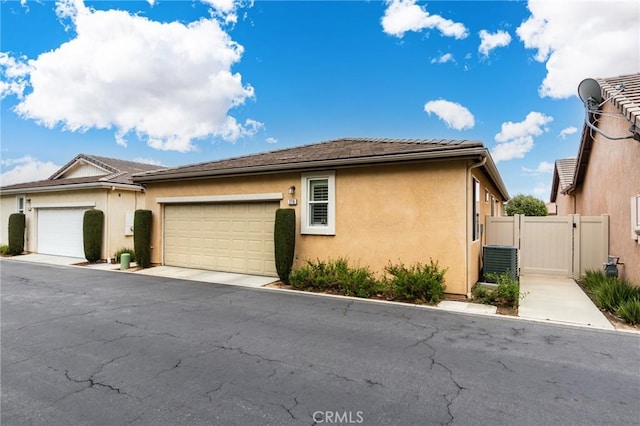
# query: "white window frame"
[305,226]
[24,203]
[475,220]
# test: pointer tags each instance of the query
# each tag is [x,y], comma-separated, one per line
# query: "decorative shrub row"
[417,283]
[17,223]
[284,239]
[142,237]
[618,297]
[92,228]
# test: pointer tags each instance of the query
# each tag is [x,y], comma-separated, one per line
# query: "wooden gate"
[563,246]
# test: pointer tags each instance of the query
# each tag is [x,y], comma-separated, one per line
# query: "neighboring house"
[372,201]
[606,175]
[562,180]
[55,207]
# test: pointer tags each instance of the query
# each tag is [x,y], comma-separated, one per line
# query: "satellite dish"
[590,93]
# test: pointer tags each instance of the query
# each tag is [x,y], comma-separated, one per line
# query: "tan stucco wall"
[612,178]
[112,204]
[120,202]
[400,213]
[475,247]
[564,204]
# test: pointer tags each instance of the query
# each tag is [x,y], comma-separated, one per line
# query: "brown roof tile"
[120,172]
[360,150]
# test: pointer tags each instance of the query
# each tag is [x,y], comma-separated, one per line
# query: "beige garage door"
[230,237]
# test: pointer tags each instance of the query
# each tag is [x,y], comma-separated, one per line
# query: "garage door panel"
[60,231]
[232,237]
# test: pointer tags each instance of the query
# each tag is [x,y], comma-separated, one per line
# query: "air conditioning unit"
[500,259]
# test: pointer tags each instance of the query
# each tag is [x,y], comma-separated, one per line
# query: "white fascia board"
[63,205]
[270,196]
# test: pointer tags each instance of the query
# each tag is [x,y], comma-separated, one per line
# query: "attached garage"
[60,231]
[230,237]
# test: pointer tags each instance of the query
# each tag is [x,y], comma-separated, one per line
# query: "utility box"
[125,261]
[500,259]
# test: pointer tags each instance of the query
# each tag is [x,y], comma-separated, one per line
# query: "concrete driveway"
[85,347]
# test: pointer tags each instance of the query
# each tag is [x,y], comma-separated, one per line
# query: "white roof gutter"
[74,186]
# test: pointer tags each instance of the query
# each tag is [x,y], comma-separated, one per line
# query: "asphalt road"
[86,347]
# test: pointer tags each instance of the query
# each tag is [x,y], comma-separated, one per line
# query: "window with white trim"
[20,203]
[318,203]
[476,210]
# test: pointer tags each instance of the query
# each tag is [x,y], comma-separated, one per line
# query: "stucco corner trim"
[64,205]
[269,196]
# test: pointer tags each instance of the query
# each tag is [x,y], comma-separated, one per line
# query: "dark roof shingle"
[120,172]
[358,149]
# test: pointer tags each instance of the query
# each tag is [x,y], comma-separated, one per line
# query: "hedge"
[284,238]
[142,237]
[17,223]
[92,229]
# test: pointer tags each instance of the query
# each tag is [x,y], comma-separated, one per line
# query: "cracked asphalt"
[88,347]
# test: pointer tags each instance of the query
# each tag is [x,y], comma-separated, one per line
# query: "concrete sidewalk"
[559,300]
[228,278]
[552,299]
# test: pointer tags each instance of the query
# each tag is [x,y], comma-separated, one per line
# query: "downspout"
[468,240]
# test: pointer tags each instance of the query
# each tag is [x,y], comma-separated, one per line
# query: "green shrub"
[593,279]
[527,205]
[142,237]
[612,292]
[17,223]
[335,276]
[506,292]
[92,227]
[629,310]
[118,253]
[284,239]
[416,283]
[4,250]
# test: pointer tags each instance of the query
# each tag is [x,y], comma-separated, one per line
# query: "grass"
[614,295]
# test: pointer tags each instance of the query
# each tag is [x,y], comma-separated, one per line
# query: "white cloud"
[543,167]
[26,169]
[157,81]
[402,16]
[447,57]
[489,41]
[568,131]
[272,140]
[145,160]
[578,39]
[541,189]
[224,9]
[516,139]
[453,114]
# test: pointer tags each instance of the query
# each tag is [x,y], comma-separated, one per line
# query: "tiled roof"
[627,101]
[562,176]
[120,172]
[566,169]
[355,150]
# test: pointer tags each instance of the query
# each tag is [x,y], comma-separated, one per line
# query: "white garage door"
[60,232]
[230,237]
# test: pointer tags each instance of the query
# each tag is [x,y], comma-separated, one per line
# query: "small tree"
[284,239]
[92,227]
[527,205]
[17,223]
[142,237]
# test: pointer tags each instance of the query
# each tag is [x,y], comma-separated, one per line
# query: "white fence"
[564,246]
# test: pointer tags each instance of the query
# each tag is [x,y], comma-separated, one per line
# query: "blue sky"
[179,82]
